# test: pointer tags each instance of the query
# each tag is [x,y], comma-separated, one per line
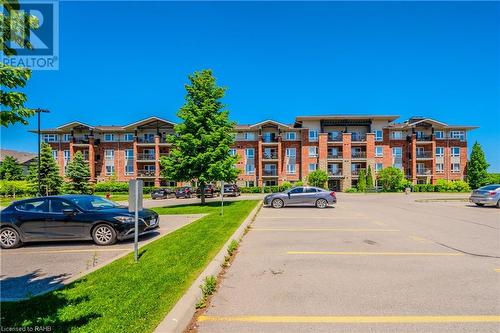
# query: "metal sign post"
[222,198]
[134,206]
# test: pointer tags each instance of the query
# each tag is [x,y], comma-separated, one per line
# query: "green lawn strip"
[115,196]
[128,297]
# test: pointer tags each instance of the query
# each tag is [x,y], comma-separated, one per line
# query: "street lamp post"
[39,111]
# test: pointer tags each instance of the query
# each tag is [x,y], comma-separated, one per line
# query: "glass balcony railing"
[145,173]
[358,137]
[424,137]
[146,156]
[334,137]
[270,173]
[270,155]
[358,154]
[335,172]
[424,154]
[424,171]
[269,139]
[334,155]
[355,172]
[146,140]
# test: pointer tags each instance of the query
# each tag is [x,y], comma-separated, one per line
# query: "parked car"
[162,193]
[301,195]
[70,217]
[231,190]
[210,191]
[488,195]
[184,192]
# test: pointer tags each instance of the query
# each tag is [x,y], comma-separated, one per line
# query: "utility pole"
[39,111]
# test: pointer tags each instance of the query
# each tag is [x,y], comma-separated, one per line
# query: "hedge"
[15,188]
[443,186]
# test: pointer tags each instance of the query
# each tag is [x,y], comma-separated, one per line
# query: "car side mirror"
[69,211]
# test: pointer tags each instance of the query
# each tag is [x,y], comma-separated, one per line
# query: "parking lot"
[374,263]
[39,267]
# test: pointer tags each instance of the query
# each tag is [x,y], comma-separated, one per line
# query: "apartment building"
[272,152]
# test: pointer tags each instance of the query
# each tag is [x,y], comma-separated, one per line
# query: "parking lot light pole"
[39,111]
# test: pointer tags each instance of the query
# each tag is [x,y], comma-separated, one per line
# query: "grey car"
[301,195]
[488,195]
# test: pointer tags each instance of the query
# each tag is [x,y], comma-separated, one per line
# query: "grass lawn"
[128,297]
[116,196]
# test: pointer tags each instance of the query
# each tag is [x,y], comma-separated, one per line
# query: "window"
[439,134]
[57,206]
[290,169]
[149,137]
[34,206]
[109,137]
[379,151]
[419,134]
[455,167]
[250,183]
[396,135]
[379,135]
[129,162]
[397,160]
[313,166]
[66,137]
[313,151]
[296,190]
[50,137]
[313,135]
[109,156]
[250,136]
[128,137]
[379,167]
[397,152]
[232,152]
[67,156]
[291,136]
[458,135]
[439,151]
[455,151]
[291,152]
[54,154]
[250,153]
[310,190]
[439,167]
[249,169]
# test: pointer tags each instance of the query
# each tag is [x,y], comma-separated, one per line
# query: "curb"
[183,311]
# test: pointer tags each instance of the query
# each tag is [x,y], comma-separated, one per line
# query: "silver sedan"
[301,195]
[488,195]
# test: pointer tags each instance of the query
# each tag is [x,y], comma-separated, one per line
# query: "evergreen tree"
[362,181]
[78,172]
[50,181]
[202,140]
[369,178]
[10,169]
[477,174]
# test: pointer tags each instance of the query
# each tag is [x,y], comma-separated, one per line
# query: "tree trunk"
[202,193]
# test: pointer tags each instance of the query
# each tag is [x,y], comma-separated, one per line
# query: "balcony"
[424,172]
[164,154]
[335,173]
[270,173]
[269,139]
[270,155]
[358,154]
[424,138]
[334,156]
[146,173]
[423,154]
[146,140]
[80,141]
[355,172]
[146,157]
[358,137]
[334,137]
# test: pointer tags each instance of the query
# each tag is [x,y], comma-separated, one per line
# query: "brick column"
[280,160]
[157,160]
[304,155]
[413,149]
[91,159]
[258,161]
[346,161]
[322,151]
[370,152]
[433,152]
[71,150]
[60,160]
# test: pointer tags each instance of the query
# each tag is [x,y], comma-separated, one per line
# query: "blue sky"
[123,61]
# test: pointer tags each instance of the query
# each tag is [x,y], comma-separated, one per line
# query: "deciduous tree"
[317,178]
[391,179]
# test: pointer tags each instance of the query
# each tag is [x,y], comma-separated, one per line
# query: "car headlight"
[125,219]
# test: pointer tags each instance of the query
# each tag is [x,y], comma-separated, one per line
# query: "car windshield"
[93,203]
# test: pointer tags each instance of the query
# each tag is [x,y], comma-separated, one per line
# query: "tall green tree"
[14,24]
[391,179]
[50,180]
[78,172]
[10,169]
[200,146]
[369,178]
[362,181]
[477,168]
[317,178]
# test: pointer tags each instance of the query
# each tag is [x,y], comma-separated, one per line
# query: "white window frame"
[66,137]
[67,157]
[108,137]
[397,148]
[54,154]
[249,136]
[290,169]
[128,137]
[439,151]
[291,136]
[440,169]
[249,169]
[313,135]
[313,151]
[453,170]
[397,137]
[457,135]
[314,167]
[453,154]
[379,135]
[109,154]
[250,156]
[129,162]
[232,152]
[439,137]
[379,151]
[379,167]
[50,138]
[289,153]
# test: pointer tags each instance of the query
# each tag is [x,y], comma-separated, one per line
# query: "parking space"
[38,267]
[377,263]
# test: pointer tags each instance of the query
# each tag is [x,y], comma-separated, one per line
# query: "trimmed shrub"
[15,188]
[351,190]
[111,186]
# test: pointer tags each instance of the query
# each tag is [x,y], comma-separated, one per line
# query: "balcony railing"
[337,172]
[355,172]
[270,172]
[338,155]
[146,157]
[164,154]
[334,137]
[269,139]
[424,172]
[424,154]
[358,137]
[146,140]
[270,155]
[80,140]
[424,137]
[358,154]
[145,173]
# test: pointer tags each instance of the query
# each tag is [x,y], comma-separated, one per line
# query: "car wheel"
[277,203]
[479,204]
[321,203]
[103,234]
[9,238]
